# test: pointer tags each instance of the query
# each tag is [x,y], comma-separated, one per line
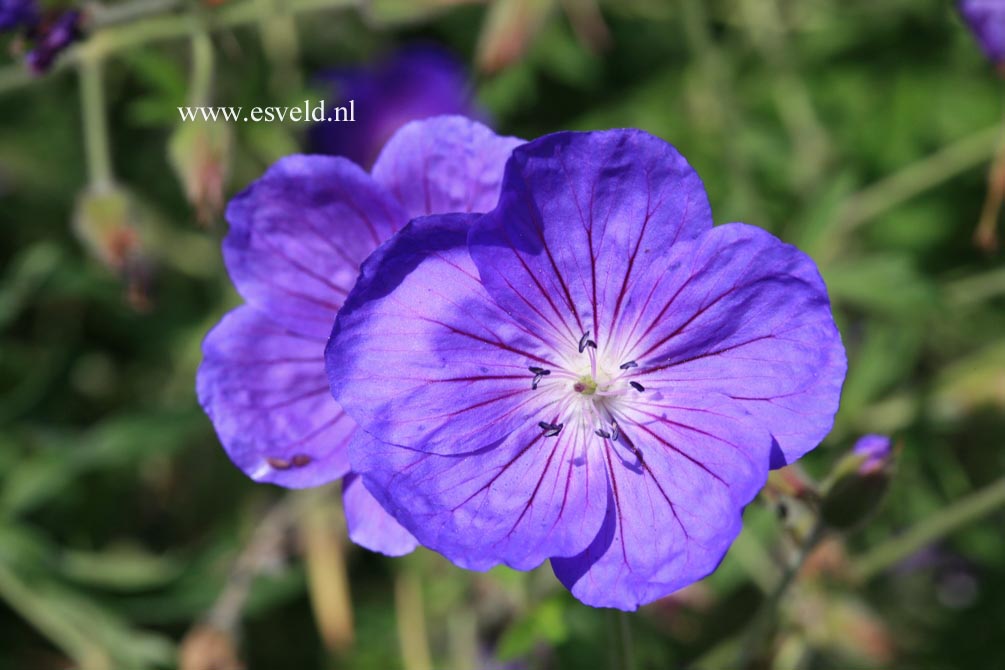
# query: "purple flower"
[16,14]
[51,37]
[414,83]
[590,373]
[986,20]
[297,237]
[877,452]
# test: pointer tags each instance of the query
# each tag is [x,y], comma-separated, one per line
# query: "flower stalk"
[937,526]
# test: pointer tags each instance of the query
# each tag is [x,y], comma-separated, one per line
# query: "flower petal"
[680,475]
[370,526]
[264,389]
[738,312]
[581,214]
[298,235]
[422,358]
[444,164]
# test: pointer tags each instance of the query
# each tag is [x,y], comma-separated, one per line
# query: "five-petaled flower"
[986,20]
[297,237]
[589,373]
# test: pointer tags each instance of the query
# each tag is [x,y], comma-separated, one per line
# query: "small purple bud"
[986,20]
[858,483]
[877,450]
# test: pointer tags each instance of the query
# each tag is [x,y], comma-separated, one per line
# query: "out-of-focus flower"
[50,37]
[859,482]
[297,237]
[200,155]
[986,20]
[415,83]
[15,14]
[589,373]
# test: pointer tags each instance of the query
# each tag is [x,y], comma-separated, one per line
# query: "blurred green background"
[860,130]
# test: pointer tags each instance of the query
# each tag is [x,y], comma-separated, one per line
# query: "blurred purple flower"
[986,20]
[15,14]
[877,450]
[414,83]
[51,36]
[297,237]
[590,372]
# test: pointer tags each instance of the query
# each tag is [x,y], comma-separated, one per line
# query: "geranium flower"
[590,372]
[297,237]
[986,20]
[413,83]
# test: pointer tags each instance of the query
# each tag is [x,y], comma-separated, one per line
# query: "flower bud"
[104,221]
[200,155]
[858,483]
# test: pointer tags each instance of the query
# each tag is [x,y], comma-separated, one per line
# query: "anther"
[615,430]
[300,460]
[550,429]
[585,342]
[637,386]
[539,374]
[600,432]
[278,463]
[629,365]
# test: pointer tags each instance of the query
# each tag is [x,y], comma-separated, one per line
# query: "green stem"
[96,146]
[916,178]
[114,39]
[759,633]
[50,622]
[411,620]
[200,93]
[937,526]
[625,637]
[719,79]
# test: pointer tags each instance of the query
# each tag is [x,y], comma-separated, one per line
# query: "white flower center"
[589,393]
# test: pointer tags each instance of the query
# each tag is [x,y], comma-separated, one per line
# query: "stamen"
[629,365]
[539,374]
[637,386]
[300,460]
[585,342]
[602,433]
[615,430]
[550,429]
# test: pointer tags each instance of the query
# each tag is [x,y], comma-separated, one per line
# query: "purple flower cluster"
[986,20]
[49,33]
[589,372]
